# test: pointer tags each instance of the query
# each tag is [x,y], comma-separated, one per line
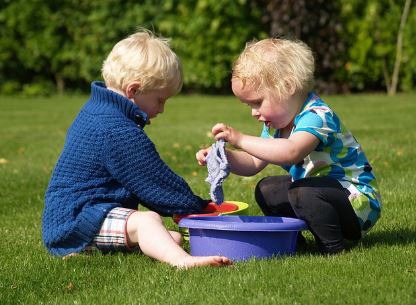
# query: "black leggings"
[320,201]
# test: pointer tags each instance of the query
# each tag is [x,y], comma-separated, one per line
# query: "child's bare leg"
[177,237]
[146,229]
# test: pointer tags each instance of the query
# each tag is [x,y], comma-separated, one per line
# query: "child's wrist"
[239,141]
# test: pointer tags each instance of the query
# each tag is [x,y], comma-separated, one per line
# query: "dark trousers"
[320,201]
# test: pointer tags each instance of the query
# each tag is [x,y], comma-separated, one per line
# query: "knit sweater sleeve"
[132,159]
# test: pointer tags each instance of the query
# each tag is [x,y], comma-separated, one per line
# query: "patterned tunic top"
[337,155]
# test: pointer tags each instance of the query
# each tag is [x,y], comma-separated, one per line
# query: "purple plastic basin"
[243,237]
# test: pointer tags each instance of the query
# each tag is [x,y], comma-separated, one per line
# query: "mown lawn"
[381,269]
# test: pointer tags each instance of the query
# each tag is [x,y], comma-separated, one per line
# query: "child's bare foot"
[198,261]
[70,255]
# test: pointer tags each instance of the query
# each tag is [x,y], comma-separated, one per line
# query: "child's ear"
[132,89]
[290,86]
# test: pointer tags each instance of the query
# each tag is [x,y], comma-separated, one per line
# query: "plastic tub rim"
[216,223]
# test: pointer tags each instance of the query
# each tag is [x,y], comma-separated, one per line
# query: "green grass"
[380,269]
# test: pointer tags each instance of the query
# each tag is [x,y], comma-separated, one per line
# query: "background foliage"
[48,46]
[371,32]
[318,23]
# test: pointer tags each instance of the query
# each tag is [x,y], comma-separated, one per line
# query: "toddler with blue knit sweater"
[109,165]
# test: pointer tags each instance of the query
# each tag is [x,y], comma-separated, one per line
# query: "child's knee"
[268,187]
[299,195]
[261,189]
[138,219]
[146,216]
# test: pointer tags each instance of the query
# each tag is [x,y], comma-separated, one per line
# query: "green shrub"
[64,43]
[40,88]
[10,87]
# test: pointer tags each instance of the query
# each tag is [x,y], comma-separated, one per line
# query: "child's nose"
[254,112]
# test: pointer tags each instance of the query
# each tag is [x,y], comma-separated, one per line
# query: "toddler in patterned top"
[109,165]
[329,183]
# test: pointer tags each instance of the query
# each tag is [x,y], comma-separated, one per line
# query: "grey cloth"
[218,169]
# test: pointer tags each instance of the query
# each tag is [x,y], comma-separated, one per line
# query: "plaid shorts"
[113,233]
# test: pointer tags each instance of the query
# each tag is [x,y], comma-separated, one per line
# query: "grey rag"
[218,169]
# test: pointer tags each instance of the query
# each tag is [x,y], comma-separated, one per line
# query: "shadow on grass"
[401,236]
[397,237]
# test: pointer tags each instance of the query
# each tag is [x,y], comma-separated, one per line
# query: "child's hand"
[201,156]
[229,134]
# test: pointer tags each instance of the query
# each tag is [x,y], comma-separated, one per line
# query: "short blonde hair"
[277,64]
[145,58]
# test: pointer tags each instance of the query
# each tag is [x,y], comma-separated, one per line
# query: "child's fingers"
[201,161]
[222,135]
[201,156]
[218,128]
[219,136]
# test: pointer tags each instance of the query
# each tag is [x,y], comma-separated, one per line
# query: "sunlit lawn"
[381,269]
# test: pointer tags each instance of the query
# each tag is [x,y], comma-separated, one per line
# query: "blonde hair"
[278,64]
[145,58]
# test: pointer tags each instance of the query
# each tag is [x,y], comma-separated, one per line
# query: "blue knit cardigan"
[108,161]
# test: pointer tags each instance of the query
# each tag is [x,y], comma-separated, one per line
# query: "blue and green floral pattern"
[338,155]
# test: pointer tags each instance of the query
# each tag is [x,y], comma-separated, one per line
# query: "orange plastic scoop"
[210,210]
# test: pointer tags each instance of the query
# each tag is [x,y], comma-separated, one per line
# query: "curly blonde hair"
[278,64]
[145,58]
